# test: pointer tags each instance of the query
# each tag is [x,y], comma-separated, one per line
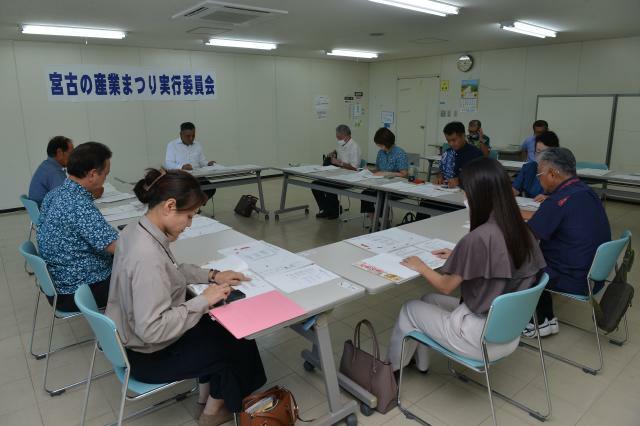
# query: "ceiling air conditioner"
[228,15]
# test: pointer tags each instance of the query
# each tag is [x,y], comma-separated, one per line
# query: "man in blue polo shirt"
[529,144]
[570,224]
[463,152]
[527,184]
[50,173]
[74,239]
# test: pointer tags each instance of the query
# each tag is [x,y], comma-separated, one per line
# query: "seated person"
[527,184]
[463,152]
[390,161]
[529,144]
[185,153]
[50,173]
[166,336]
[73,237]
[477,138]
[499,255]
[570,225]
[347,155]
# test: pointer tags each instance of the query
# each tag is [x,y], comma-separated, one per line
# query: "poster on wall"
[469,95]
[321,107]
[83,82]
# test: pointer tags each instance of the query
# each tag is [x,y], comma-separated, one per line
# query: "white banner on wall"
[124,83]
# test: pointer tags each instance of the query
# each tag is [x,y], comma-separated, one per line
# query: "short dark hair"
[454,127]
[159,185]
[541,123]
[476,122]
[549,139]
[86,157]
[343,129]
[384,137]
[56,143]
[187,125]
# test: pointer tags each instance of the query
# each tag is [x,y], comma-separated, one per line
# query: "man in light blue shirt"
[529,144]
[50,173]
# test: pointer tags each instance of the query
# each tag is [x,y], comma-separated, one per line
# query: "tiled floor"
[608,398]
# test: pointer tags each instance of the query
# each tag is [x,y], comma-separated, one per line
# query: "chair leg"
[89,377]
[33,328]
[48,354]
[125,386]
[26,268]
[408,414]
[544,374]
[485,357]
[595,329]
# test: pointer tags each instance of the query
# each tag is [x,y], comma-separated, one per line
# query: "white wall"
[264,112]
[510,80]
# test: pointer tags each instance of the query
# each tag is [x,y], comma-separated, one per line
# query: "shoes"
[322,214]
[222,417]
[547,328]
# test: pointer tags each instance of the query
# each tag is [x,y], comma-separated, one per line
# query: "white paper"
[387,266]
[467,225]
[349,177]
[427,190]
[201,225]
[113,197]
[527,203]
[301,278]
[257,285]
[266,259]
[514,164]
[251,288]
[312,168]
[431,260]
[125,211]
[593,172]
[321,107]
[387,240]
[229,263]
[626,176]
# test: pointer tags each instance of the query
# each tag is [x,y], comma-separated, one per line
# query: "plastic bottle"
[412,172]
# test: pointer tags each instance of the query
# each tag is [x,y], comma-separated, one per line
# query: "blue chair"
[591,165]
[108,341]
[34,216]
[43,280]
[494,154]
[507,317]
[604,263]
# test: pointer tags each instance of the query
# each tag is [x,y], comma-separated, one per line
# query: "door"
[417,114]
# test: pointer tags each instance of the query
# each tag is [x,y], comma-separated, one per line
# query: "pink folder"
[247,316]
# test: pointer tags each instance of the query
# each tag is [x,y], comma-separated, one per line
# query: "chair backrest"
[413,158]
[39,268]
[445,146]
[363,164]
[32,208]
[591,165]
[606,257]
[103,327]
[494,154]
[510,313]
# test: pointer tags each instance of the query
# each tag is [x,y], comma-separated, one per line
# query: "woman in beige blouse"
[499,255]
[168,337]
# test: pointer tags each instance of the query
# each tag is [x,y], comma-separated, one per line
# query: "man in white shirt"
[185,153]
[347,155]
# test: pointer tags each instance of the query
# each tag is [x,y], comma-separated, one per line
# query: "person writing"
[499,255]
[168,337]
[463,153]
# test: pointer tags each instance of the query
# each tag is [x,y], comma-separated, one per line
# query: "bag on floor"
[246,205]
[370,371]
[273,407]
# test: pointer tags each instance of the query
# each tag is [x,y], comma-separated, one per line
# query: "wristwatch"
[213,273]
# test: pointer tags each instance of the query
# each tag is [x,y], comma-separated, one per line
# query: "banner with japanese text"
[124,83]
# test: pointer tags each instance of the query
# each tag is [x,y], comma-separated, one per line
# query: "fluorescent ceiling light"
[72,32]
[528,29]
[424,6]
[241,43]
[353,53]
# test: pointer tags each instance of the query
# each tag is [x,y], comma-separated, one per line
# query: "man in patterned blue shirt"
[73,237]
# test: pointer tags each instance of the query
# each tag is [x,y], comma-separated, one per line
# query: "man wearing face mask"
[347,156]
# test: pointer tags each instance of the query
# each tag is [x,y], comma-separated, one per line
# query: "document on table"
[126,211]
[427,190]
[256,286]
[515,164]
[301,278]
[527,203]
[111,194]
[626,176]
[311,168]
[349,177]
[593,172]
[387,240]
[266,259]
[386,265]
[423,251]
[201,225]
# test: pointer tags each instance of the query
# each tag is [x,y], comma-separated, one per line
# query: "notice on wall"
[387,118]
[321,107]
[83,82]
[444,87]
[469,95]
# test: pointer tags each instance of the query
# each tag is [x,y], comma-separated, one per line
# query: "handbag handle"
[356,338]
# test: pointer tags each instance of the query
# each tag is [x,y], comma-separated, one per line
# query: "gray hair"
[343,129]
[561,159]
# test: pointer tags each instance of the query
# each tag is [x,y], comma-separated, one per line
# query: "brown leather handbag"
[273,407]
[370,371]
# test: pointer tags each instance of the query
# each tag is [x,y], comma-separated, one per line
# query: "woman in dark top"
[499,255]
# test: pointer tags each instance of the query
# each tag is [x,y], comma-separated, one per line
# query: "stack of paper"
[424,252]
[111,194]
[201,225]
[126,211]
[527,203]
[593,172]
[311,168]
[427,190]
[386,241]
[387,266]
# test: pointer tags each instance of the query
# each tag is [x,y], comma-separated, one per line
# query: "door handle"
[422,127]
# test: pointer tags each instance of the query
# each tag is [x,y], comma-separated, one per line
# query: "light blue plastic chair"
[45,284]
[34,216]
[604,263]
[108,341]
[494,154]
[591,165]
[508,316]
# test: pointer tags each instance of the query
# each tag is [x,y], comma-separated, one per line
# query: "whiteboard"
[582,123]
[625,152]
